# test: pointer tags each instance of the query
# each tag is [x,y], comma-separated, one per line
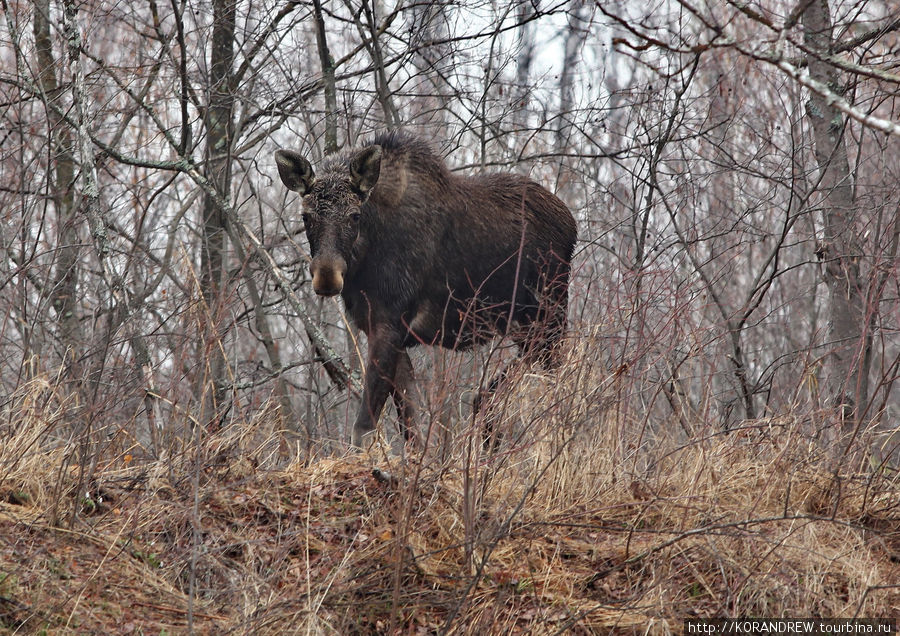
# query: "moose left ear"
[365,168]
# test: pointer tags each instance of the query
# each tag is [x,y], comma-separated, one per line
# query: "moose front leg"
[384,353]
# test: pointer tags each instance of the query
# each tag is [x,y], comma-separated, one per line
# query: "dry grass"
[583,521]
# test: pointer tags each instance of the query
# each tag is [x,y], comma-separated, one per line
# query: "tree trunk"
[286,410]
[64,281]
[430,33]
[576,32]
[846,373]
[329,88]
[524,60]
[217,169]
[372,40]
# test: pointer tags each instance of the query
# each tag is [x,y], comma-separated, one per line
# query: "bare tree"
[218,123]
[62,287]
[841,247]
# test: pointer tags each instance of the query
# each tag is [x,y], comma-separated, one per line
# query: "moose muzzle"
[328,274]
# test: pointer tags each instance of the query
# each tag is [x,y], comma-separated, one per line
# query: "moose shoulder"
[423,256]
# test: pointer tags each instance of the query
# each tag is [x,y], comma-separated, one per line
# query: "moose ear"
[295,171]
[365,168]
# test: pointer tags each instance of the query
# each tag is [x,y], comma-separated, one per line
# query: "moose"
[421,255]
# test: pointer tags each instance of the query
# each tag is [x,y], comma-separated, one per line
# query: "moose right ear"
[296,172]
[365,169]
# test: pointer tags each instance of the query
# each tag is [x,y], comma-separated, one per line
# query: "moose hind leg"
[482,405]
[537,343]
[540,341]
[403,379]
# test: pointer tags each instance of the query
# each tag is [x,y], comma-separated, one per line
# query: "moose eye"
[354,216]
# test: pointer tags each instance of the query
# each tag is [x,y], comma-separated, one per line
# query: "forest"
[720,440]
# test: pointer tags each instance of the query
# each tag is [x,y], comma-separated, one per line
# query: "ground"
[377,546]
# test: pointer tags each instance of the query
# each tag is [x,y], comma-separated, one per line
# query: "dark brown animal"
[423,256]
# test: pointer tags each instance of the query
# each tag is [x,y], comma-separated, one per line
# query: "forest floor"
[564,531]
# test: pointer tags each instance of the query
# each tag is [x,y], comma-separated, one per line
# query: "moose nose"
[328,275]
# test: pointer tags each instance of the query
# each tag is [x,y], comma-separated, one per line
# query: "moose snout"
[328,275]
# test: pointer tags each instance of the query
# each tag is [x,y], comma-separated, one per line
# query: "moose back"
[421,255]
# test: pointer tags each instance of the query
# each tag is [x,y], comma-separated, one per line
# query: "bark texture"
[846,376]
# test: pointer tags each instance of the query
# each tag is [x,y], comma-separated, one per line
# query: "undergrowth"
[582,519]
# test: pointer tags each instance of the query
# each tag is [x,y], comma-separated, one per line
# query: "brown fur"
[429,257]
